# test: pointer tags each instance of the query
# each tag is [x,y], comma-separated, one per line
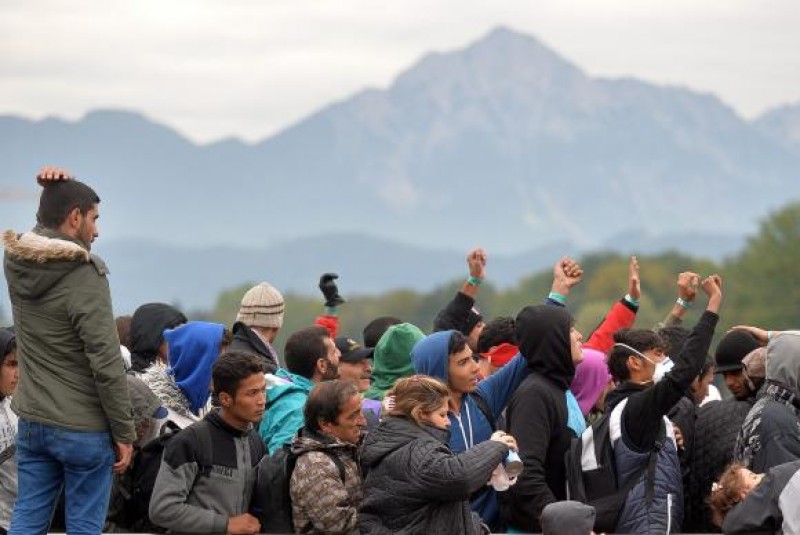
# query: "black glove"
[327,283]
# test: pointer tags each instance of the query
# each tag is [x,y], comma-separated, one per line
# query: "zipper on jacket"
[669,512]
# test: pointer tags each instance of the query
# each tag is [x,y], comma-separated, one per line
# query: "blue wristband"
[474,281]
[683,303]
[555,296]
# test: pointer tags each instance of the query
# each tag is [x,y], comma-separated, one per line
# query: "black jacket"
[246,340]
[537,415]
[641,420]
[455,314]
[415,484]
[716,427]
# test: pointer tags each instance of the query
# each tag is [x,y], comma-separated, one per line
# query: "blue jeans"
[49,458]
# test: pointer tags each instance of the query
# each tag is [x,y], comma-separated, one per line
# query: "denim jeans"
[49,458]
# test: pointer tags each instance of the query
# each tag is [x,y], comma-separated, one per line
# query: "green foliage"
[764,280]
[762,287]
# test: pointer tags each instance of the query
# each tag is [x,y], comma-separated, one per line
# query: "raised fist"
[327,285]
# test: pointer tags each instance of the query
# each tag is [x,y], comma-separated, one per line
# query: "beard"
[331,371]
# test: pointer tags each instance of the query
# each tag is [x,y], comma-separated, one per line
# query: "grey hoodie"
[770,434]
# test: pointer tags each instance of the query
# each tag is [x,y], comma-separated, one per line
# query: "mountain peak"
[503,58]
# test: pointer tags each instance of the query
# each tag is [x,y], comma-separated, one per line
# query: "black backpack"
[145,470]
[591,474]
[272,502]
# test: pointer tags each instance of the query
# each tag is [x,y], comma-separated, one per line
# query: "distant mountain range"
[194,277]
[503,144]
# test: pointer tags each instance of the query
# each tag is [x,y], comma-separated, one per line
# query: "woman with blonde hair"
[415,484]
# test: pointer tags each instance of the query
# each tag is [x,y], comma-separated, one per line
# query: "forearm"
[454,315]
[675,316]
[621,315]
[169,507]
[692,356]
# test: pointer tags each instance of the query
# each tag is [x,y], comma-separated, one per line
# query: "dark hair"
[10,348]
[674,337]
[457,343]
[639,339]
[231,368]
[502,330]
[375,329]
[8,343]
[60,198]
[124,330]
[304,348]
[325,402]
[227,337]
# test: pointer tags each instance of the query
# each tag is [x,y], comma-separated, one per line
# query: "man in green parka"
[75,418]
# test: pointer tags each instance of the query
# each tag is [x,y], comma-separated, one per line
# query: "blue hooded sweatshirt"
[430,357]
[284,416]
[193,348]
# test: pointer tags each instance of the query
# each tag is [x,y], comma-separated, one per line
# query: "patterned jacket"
[8,465]
[321,501]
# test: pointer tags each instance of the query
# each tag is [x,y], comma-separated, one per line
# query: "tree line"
[762,287]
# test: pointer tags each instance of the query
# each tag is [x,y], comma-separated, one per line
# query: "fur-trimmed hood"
[36,261]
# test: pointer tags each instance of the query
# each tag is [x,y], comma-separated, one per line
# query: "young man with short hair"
[192,496]
[72,398]
[311,357]
[649,383]
[322,500]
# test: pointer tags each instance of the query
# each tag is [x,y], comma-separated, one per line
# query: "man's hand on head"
[51,175]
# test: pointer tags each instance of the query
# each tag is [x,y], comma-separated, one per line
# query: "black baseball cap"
[352,351]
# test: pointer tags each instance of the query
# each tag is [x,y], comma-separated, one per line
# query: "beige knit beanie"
[262,306]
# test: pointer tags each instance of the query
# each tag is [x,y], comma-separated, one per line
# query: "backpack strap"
[204,436]
[483,406]
[338,462]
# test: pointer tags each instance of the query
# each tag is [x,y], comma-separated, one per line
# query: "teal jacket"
[284,416]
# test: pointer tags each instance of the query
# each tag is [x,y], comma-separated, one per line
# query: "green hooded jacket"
[392,358]
[70,367]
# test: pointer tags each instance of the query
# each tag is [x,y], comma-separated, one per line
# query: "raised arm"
[330,291]
[455,313]
[687,291]
[622,313]
[644,409]
[567,274]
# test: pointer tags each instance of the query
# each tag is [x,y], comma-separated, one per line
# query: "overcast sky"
[248,68]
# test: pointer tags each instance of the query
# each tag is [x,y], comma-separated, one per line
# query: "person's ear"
[74,218]
[225,400]
[634,364]
[416,414]
[322,365]
[324,426]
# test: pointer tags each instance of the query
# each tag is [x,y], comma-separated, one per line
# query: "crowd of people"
[155,423]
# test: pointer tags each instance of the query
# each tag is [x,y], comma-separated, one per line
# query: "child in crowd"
[9,377]
[745,502]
